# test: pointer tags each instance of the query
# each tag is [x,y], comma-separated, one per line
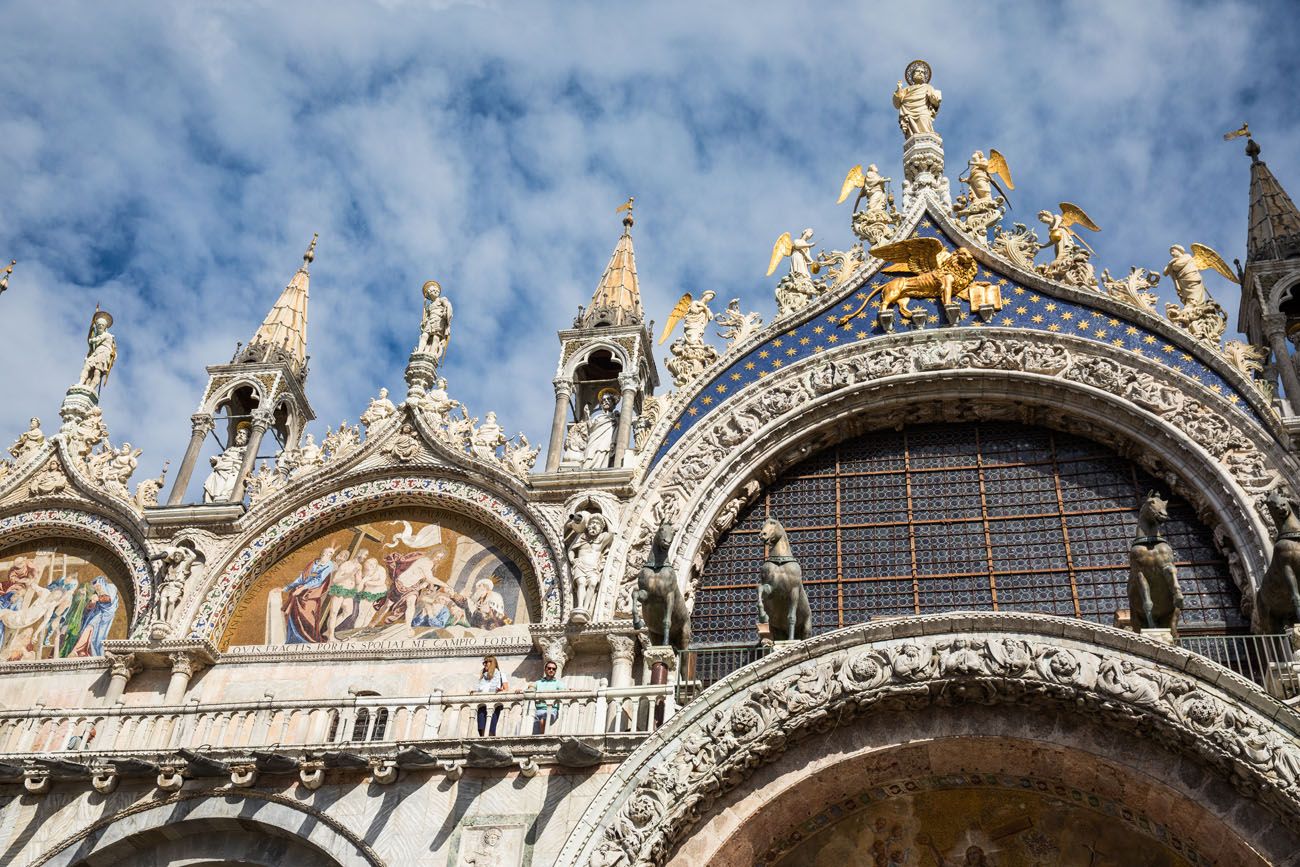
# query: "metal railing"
[701,667]
[320,724]
[1266,659]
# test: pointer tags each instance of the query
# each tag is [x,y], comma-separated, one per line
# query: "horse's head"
[771,531]
[664,535]
[1280,506]
[1155,508]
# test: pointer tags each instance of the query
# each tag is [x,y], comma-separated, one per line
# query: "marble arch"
[184,816]
[1152,414]
[70,523]
[1062,684]
[620,354]
[261,546]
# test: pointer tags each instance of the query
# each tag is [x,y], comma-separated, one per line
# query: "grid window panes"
[978,516]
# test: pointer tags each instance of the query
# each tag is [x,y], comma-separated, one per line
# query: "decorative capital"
[124,665]
[1275,322]
[557,650]
[621,648]
[262,419]
[182,663]
[563,387]
[202,423]
[629,382]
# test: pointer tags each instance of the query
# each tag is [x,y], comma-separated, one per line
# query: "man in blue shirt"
[546,712]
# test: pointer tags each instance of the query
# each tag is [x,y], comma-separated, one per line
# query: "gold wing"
[914,255]
[783,247]
[853,179]
[1073,214]
[998,166]
[676,316]
[1206,257]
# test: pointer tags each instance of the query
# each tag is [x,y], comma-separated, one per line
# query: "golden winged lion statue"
[931,271]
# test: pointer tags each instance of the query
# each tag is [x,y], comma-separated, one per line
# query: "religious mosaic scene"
[967,546]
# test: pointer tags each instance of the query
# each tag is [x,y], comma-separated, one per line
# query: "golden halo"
[612,392]
[912,69]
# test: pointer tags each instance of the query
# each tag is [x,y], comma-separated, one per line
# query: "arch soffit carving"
[268,809]
[1117,679]
[77,522]
[277,533]
[579,358]
[925,209]
[776,418]
[1280,290]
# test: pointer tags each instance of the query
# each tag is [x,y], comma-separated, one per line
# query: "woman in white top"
[489,681]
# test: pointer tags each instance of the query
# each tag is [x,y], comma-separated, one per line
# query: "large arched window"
[973,516]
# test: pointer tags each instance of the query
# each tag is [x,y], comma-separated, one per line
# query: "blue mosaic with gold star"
[1022,308]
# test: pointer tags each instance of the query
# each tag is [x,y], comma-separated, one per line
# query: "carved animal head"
[1155,508]
[664,535]
[1280,506]
[771,531]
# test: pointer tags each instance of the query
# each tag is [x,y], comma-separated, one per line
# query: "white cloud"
[172,166]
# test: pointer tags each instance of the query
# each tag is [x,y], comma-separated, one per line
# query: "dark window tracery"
[977,516]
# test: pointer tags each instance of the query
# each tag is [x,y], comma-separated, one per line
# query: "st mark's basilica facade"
[966,552]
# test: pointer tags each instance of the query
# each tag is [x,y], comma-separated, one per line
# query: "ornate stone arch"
[276,534]
[66,522]
[1183,431]
[1279,291]
[205,813]
[620,353]
[1034,670]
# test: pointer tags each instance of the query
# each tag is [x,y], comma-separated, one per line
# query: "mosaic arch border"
[236,575]
[280,811]
[781,414]
[89,527]
[1117,680]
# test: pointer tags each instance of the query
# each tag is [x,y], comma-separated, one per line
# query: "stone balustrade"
[364,723]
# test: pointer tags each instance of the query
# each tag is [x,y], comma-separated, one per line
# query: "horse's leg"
[639,598]
[764,590]
[1144,594]
[792,617]
[1290,575]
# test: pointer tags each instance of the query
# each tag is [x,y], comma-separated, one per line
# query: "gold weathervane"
[1238,133]
[626,206]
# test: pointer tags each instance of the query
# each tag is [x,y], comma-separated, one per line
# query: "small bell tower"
[260,390]
[606,371]
[1269,314]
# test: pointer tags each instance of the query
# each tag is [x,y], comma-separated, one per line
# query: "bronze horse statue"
[1278,599]
[1154,598]
[782,599]
[659,602]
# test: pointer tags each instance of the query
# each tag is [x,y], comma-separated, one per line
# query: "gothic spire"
[283,333]
[1274,231]
[617,300]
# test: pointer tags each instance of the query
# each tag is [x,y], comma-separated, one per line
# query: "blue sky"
[170,162]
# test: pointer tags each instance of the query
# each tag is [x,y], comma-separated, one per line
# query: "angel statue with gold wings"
[980,176]
[930,271]
[876,223]
[798,249]
[1199,314]
[1071,264]
[690,354]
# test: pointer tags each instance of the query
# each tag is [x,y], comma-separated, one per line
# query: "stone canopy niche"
[402,574]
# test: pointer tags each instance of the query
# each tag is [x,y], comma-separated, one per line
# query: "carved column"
[182,670]
[124,666]
[261,421]
[621,652]
[563,389]
[1275,333]
[628,383]
[200,426]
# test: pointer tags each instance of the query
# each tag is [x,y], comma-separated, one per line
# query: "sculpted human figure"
[917,101]
[380,409]
[587,559]
[220,484]
[697,318]
[28,442]
[874,190]
[177,562]
[602,423]
[1187,276]
[488,437]
[435,326]
[310,455]
[736,326]
[101,352]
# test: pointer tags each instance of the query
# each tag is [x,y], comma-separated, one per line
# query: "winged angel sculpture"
[1199,314]
[930,271]
[796,289]
[878,222]
[1071,263]
[690,354]
[979,209]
